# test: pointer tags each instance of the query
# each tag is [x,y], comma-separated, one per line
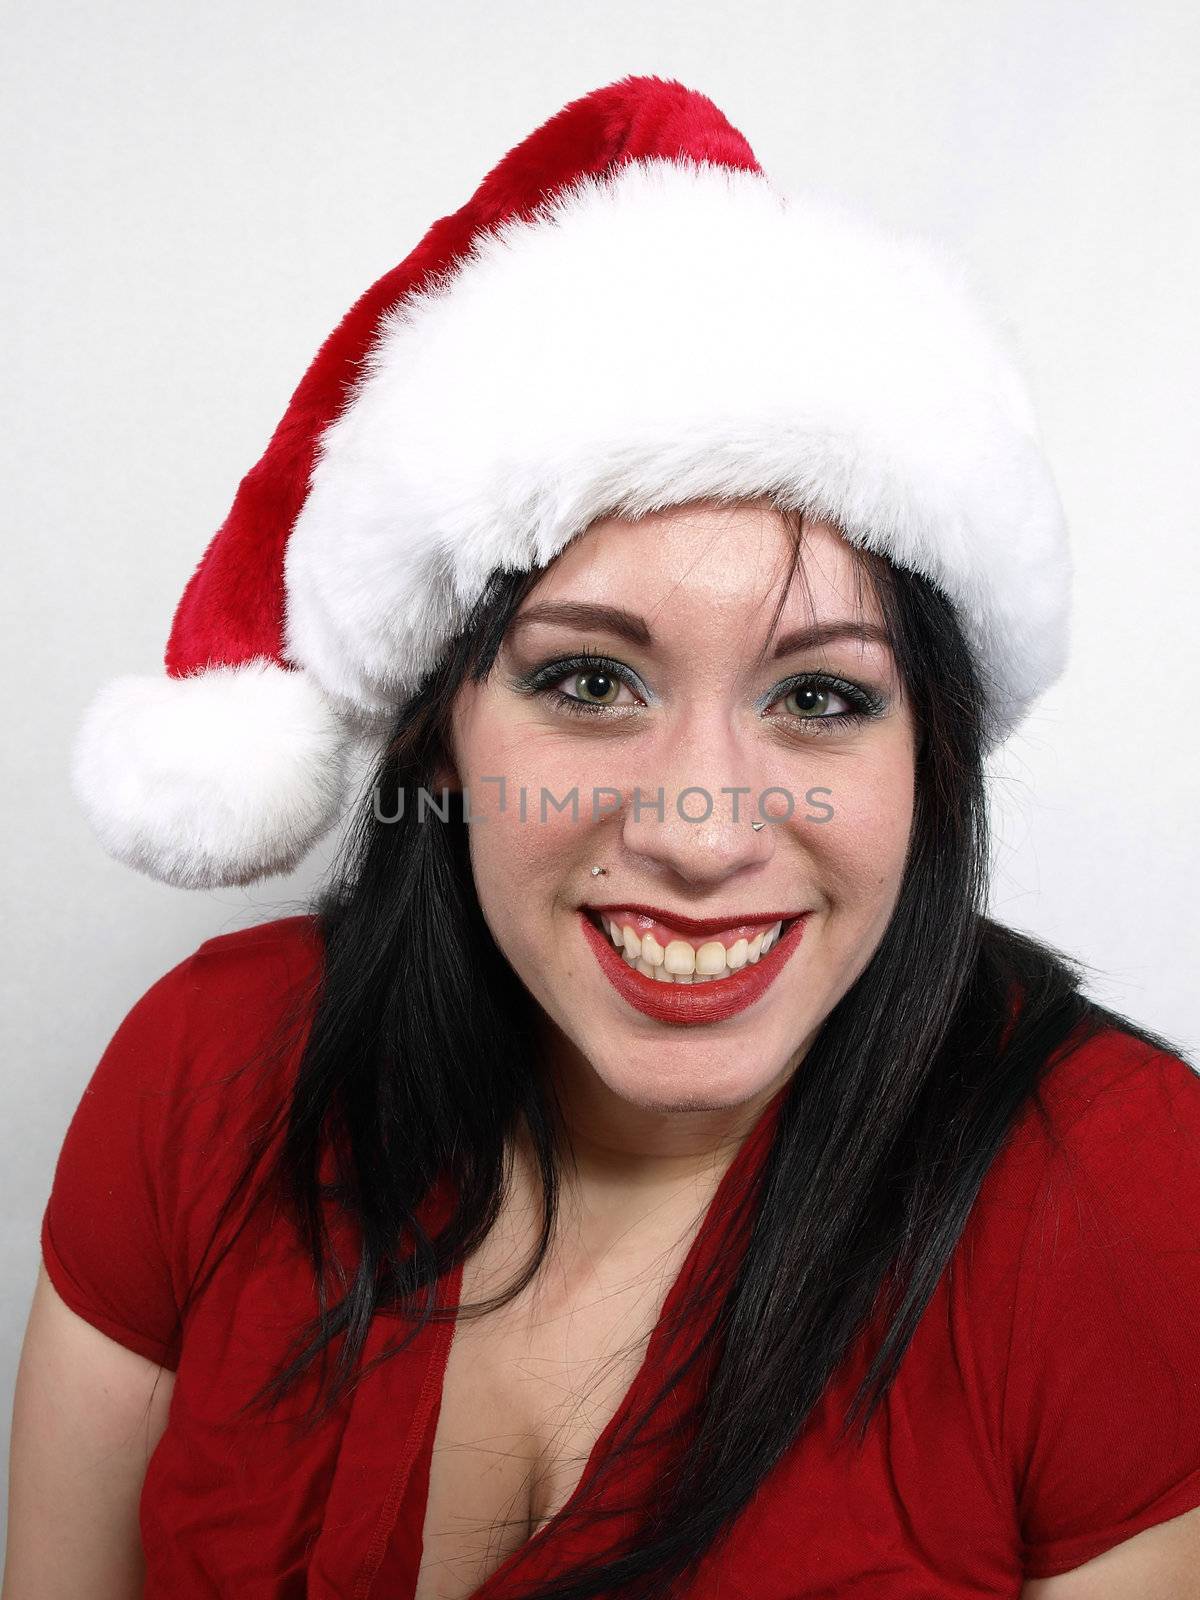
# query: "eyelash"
[543,681]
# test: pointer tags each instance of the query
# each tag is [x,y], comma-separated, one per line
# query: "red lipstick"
[696,1002]
[696,926]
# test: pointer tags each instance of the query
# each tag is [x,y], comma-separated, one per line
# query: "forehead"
[706,567]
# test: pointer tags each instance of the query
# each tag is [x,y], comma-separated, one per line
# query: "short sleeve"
[1102,1393]
[102,1236]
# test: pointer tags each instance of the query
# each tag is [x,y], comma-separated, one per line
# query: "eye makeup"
[543,682]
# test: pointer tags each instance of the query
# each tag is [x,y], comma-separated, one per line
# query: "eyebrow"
[629,626]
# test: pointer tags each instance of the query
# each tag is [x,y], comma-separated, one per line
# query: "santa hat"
[626,315]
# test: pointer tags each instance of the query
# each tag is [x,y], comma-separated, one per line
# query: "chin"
[687,1077]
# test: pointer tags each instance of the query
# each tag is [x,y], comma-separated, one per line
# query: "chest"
[234,1507]
[528,1390]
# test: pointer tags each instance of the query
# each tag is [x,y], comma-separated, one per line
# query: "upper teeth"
[683,962]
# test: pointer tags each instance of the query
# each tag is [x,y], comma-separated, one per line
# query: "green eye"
[819,703]
[589,683]
[584,684]
[811,700]
[596,688]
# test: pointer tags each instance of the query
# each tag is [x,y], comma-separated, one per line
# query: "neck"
[619,1150]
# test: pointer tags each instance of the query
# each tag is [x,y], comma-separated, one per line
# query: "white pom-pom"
[220,778]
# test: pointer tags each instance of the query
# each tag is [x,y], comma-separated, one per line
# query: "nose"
[689,817]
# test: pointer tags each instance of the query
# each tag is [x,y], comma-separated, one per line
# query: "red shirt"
[1047,1408]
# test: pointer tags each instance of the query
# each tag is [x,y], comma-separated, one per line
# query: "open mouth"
[680,977]
[665,955]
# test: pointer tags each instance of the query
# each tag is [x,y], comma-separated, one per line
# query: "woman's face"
[637,762]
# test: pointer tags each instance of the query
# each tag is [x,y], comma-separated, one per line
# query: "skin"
[655,1112]
[651,1105]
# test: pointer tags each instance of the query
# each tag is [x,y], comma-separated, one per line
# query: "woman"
[698,1192]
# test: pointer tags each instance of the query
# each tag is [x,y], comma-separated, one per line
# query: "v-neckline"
[744,1163]
[378,1477]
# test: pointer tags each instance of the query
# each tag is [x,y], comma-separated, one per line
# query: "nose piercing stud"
[599,871]
[757,825]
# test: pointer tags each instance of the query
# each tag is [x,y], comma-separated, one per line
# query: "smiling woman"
[701,1195]
[715,712]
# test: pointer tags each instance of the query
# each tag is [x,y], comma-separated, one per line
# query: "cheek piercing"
[599,871]
[757,825]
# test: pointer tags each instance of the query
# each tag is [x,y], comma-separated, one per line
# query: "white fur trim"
[677,331]
[220,778]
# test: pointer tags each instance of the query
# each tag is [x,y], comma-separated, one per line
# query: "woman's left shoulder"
[1118,1080]
[1082,1279]
[1113,1162]
[1100,1168]
[1113,1107]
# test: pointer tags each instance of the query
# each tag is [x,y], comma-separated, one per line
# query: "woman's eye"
[811,700]
[588,683]
[594,687]
[584,684]
[823,705]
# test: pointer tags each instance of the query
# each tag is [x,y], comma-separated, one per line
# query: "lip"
[691,1003]
[694,925]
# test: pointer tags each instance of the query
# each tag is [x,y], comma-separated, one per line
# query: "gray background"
[193,196]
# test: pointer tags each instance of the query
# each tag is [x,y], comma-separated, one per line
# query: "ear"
[445,776]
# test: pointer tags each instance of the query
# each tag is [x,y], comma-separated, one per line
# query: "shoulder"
[183,1088]
[1081,1285]
[1115,1159]
[1112,1131]
[221,1000]
[1113,1072]
[1089,1213]
[255,964]
[1110,1080]
[240,1007]
[230,1022]
[230,992]
[211,1050]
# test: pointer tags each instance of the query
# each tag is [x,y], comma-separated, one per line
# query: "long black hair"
[422,1057]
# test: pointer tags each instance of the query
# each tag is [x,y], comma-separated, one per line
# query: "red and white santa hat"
[626,315]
